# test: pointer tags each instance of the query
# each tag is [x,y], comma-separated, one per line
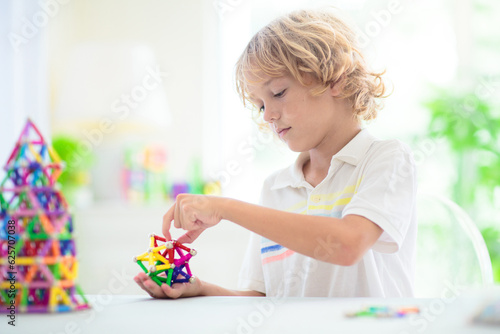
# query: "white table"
[221,315]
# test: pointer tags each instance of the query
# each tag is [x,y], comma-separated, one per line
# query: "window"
[23,64]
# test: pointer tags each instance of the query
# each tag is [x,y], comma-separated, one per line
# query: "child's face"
[303,121]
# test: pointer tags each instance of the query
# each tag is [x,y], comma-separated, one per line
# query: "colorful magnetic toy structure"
[384,312]
[162,264]
[38,265]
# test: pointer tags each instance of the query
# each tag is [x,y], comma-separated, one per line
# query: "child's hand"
[177,290]
[193,213]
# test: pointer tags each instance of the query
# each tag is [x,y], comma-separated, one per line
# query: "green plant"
[491,236]
[469,124]
[76,170]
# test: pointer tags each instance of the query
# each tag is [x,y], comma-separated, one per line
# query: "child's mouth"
[283,132]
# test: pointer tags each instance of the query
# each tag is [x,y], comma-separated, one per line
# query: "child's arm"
[197,288]
[341,241]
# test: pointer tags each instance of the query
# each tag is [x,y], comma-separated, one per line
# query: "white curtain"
[23,70]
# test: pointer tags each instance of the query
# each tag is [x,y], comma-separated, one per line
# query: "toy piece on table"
[166,261]
[38,265]
[489,314]
[384,312]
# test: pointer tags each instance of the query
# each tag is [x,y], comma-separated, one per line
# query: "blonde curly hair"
[317,43]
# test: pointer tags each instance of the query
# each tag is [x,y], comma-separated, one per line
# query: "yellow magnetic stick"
[64,297]
[53,154]
[58,292]
[142,257]
[35,154]
[163,267]
[151,259]
[161,258]
[6,285]
[65,271]
[52,297]
[25,260]
[74,271]
[159,248]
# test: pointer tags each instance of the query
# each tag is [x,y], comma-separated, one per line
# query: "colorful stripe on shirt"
[272,252]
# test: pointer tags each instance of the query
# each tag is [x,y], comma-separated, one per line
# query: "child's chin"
[295,148]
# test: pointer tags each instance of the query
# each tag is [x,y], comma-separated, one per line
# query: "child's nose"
[270,114]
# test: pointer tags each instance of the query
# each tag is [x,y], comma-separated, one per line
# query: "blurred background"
[138,98]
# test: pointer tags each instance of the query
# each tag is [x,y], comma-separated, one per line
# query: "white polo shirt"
[369,177]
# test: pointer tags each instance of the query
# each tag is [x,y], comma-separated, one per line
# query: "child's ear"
[337,86]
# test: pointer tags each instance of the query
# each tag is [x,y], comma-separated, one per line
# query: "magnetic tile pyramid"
[38,265]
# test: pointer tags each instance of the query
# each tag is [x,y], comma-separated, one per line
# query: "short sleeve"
[251,273]
[386,194]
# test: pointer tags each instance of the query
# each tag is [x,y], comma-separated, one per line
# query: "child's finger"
[140,277]
[140,281]
[177,216]
[190,236]
[171,292]
[150,286]
[167,221]
[154,289]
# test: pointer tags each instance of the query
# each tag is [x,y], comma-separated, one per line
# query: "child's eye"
[261,109]
[280,94]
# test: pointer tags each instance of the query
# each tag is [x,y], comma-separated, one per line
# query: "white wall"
[175,32]
[183,34]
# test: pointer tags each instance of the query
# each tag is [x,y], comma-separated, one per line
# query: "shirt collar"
[351,153]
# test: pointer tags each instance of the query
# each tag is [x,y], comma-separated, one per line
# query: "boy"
[340,222]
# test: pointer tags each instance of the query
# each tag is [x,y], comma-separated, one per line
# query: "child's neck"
[316,168]
[312,176]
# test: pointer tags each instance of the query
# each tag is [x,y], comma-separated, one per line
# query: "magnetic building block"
[166,261]
[38,264]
